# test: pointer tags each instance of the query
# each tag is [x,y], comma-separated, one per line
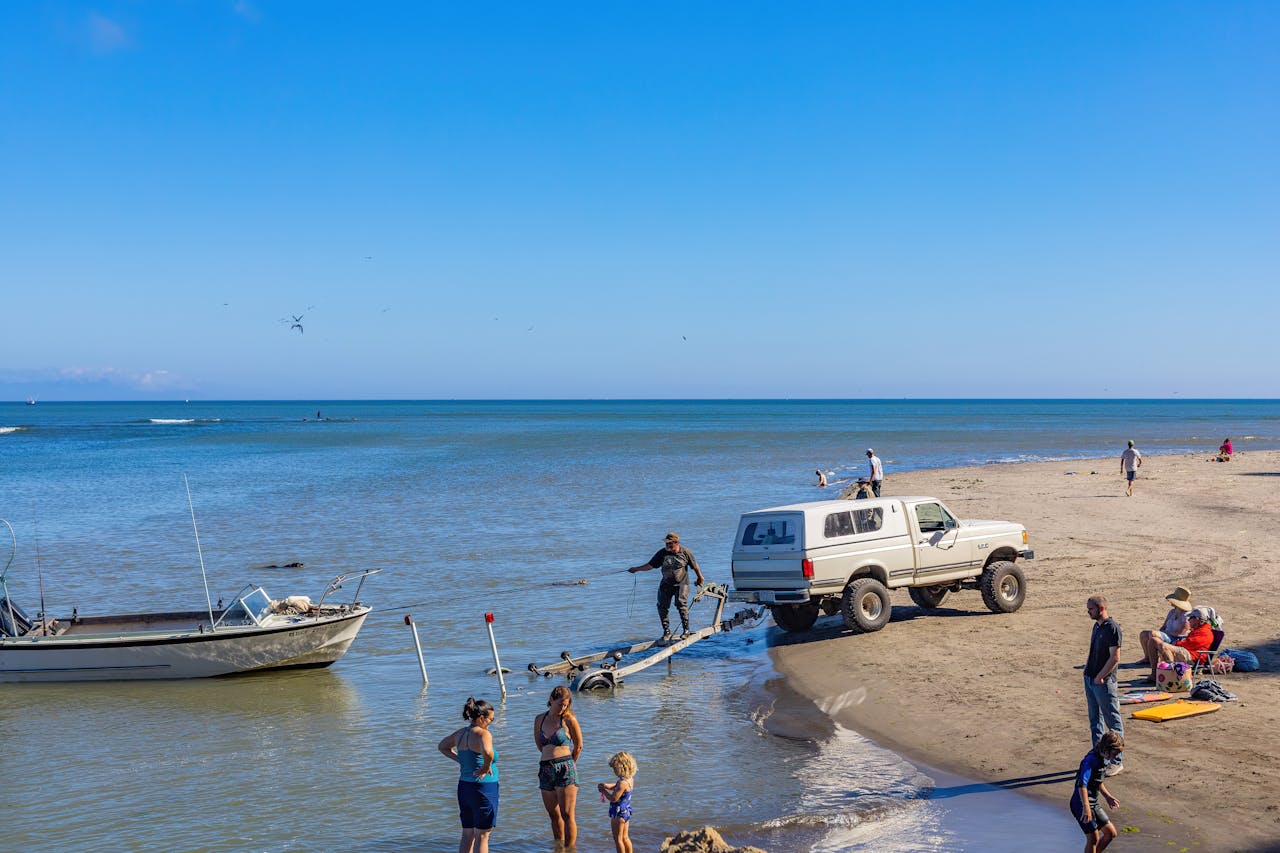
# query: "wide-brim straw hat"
[1180,598]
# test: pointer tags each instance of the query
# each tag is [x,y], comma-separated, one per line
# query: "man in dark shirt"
[1100,677]
[675,562]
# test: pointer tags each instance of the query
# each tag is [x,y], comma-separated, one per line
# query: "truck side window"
[869,520]
[838,524]
[930,517]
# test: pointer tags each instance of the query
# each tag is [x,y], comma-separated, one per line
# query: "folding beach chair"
[1204,660]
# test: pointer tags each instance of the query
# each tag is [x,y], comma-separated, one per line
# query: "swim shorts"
[1129,475]
[1100,817]
[557,773]
[478,804]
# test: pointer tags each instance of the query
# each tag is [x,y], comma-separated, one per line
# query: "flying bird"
[296,324]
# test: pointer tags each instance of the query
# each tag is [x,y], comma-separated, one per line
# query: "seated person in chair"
[1175,622]
[1185,649]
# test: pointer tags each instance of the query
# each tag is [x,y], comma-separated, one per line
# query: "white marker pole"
[417,644]
[497,665]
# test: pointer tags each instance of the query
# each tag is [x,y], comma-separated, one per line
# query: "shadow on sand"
[1053,778]
[831,627]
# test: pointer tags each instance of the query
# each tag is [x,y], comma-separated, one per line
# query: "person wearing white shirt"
[877,471]
[1130,462]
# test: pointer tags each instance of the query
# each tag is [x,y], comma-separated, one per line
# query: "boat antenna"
[44,625]
[4,585]
[191,506]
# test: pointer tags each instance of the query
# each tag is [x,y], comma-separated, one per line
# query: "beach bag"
[1174,677]
[1243,661]
[1222,664]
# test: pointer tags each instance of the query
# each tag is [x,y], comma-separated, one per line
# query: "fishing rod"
[4,585]
[44,624]
[191,506]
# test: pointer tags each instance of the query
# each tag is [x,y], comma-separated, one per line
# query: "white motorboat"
[251,634]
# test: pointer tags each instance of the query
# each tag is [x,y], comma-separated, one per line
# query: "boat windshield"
[248,609]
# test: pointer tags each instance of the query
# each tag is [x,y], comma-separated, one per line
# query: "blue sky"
[655,199]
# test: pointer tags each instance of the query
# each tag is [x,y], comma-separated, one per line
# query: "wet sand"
[999,698]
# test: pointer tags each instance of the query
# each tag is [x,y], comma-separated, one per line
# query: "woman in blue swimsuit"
[559,738]
[472,747]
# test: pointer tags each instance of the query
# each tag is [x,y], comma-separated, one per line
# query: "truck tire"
[927,597]
[1004,587]
[794,618]
[865,606]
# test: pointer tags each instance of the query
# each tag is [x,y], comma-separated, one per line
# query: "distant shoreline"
[1000,698]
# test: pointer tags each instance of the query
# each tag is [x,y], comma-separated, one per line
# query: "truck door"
[940,554]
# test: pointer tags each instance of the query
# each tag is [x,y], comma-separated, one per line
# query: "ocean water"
[468,508]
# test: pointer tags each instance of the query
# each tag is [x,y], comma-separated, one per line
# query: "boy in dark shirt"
[1085,804]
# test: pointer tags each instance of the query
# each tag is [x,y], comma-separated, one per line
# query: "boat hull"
[150,655]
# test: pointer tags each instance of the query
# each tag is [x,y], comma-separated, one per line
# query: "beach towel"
[1211,691]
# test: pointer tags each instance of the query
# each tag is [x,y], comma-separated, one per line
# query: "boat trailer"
[609,672]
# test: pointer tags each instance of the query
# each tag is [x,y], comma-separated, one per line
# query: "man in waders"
[675,562]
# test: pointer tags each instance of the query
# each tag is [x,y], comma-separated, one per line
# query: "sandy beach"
[999,697]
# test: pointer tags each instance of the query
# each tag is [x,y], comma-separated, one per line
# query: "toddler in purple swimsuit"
[618,796]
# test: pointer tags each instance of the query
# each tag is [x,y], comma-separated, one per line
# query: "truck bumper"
[770,596]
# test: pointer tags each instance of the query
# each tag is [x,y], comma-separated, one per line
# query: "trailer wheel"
[866,606]
[794,618]
[927,597]
[1004,587]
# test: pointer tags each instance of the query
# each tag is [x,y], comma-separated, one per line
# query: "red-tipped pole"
[497,664]
[417,644]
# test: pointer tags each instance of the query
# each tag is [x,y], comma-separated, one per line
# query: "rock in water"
[704,840]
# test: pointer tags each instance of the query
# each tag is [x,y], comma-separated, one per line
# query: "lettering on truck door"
[940,553]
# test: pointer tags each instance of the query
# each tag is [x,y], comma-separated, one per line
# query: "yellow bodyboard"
[1176,710]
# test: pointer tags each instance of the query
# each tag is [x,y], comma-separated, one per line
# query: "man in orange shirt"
[1185,649]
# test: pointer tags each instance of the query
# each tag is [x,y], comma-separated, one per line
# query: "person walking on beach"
[618,796]
[675,562]
[1100,677]
[1085,805]
[1130,462]
[472,747]
[558,737]
[877,471]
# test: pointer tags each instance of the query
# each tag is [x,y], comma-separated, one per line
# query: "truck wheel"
[794,618]
[1004,587]
[866,607]
[927,597]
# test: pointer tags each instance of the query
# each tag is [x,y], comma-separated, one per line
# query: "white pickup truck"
[845,555]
